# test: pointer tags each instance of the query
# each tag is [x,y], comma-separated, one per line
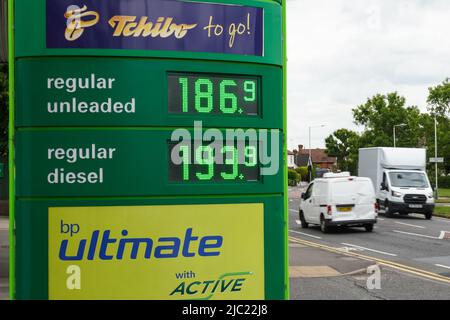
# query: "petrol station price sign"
[138,125]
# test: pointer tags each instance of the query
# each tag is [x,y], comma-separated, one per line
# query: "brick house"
[319,157]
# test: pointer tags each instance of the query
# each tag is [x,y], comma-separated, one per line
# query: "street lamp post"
[310,127]
[435,156]
[397,125]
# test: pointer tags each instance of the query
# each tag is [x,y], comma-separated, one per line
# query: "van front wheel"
[368,227]
[387,209]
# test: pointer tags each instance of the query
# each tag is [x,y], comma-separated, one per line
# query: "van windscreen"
[408,179]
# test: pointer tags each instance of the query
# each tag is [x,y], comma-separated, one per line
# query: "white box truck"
[399,178]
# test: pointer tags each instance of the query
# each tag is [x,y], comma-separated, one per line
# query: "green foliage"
[3,109]
[444,182]
[439,98]
[343,144]
[293,177]
[380,114]
[303,172]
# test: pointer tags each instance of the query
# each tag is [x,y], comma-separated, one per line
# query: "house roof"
[318,156]
[302,160]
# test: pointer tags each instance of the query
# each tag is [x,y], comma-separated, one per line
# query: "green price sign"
[212,94]
[117,136]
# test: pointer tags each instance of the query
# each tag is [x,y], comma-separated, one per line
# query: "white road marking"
[410,225]
[381,219]
[305,234]
[292,210]
[348,249]
[298,222]
[416,234]
[442,266]
[368,249]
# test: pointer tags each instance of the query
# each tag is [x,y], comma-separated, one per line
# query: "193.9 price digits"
[206,163]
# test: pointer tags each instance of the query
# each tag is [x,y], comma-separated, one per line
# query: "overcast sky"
[340,52]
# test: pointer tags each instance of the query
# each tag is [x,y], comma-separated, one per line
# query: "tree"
[439,107]
[3,110]
[343,144]
[380,114]
[439,98]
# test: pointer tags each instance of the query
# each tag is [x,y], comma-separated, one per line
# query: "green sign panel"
[149,158]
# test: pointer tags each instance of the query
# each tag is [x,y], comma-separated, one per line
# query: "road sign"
[438,160]
[149,150]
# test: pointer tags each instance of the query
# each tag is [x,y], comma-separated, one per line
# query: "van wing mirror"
[302,195]
[383,186]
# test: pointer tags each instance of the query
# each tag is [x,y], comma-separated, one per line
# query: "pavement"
[4,254]
[412,255]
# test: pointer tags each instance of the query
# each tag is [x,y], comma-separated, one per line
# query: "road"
[405,246]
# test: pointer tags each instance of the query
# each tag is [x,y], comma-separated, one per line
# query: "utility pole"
[435,156]
[310,159]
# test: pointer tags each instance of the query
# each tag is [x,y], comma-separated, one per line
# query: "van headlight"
[397,194]
[431,195]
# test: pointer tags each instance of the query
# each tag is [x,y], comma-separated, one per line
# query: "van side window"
[309,192]
[384,179]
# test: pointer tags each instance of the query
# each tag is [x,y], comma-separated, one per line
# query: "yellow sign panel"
[157,252]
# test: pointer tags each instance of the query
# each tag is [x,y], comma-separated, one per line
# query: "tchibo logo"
[105,245]
[124,25]
[75,24]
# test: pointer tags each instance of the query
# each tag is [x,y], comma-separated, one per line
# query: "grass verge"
[444,192]
[443,212]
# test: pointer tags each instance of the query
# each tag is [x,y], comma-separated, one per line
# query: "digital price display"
[213,94]
[208,163]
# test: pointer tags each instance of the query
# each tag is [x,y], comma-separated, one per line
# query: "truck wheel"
[303,222]
[387,209]
[428,215]
[323,225]
[369,227]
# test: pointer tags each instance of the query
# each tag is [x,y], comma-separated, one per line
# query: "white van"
[339,199]
[400,179]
